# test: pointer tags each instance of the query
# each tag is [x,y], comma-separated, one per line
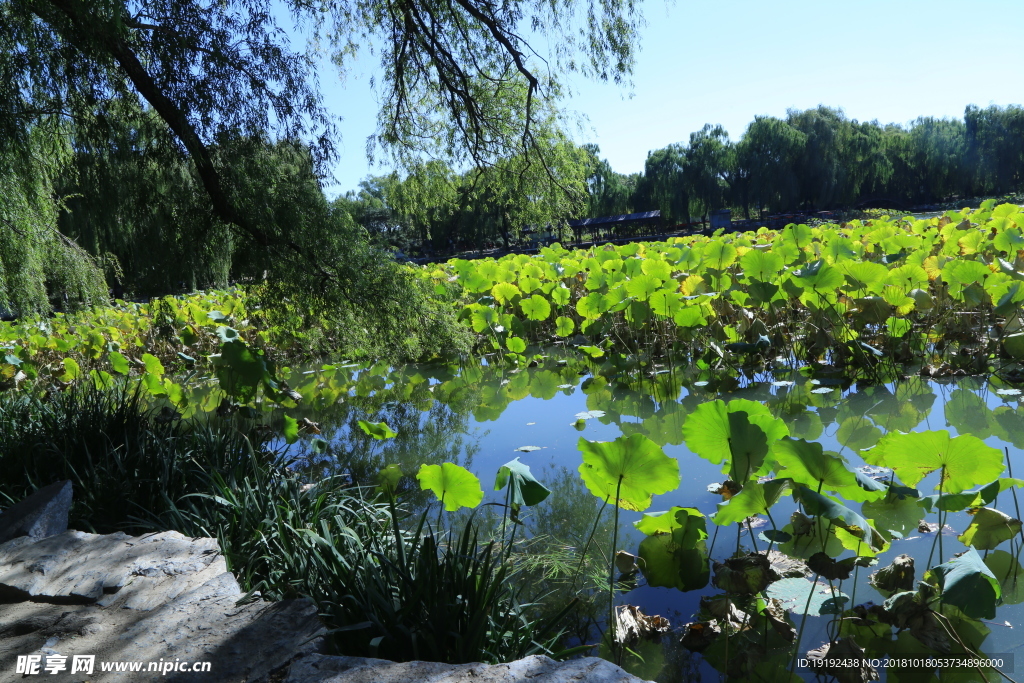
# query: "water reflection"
[477,414]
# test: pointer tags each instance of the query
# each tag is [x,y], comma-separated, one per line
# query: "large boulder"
[160,598]
[42,514]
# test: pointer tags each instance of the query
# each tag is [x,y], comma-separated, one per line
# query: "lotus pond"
[835,481]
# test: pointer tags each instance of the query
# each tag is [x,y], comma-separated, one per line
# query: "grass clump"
[387,583]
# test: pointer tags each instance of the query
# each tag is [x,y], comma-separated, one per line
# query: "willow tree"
[459,81]
[39,267]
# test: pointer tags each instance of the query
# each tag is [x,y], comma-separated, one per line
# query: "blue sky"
[729,60]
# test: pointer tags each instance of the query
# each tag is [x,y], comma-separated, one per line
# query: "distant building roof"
[614,220]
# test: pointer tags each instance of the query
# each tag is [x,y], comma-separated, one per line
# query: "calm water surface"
[479,416]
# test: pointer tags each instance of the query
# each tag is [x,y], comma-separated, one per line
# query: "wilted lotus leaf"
[725,612]
[746,574]
[784,566]
[775,612]
[632,625]
[834,570]
[697,636]
[626,563]
[898,576]
[847,651]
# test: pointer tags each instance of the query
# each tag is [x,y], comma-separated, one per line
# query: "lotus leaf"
[455,486]
[524,488]
[965,460]
[674,554]
[739,433]
[756,498]
[378,430]
[634,467]
[967,583]
[864,535]
[989,528]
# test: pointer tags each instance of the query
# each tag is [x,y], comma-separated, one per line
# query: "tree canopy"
[189,92]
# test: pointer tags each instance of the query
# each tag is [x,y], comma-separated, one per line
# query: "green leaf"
[524,488]
[989,528]
[954,502]
[806,463]
[388,478]
[453,485]
[634,467]
[756,498]
[761,265]
[504,292]
[536,307]
[564,326]
[1010,575]
[820,276]
[843,517]
[967,583]
[290,429]
[71,370]
[674,553]
[965,460]
[642,286]
[739,433]
[378,430]
[227,334]
[515,344]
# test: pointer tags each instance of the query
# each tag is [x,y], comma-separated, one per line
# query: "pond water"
[479,416]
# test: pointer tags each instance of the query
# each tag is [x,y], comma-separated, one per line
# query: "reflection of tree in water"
[438,434]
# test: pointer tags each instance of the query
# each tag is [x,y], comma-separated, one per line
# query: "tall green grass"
[387,584]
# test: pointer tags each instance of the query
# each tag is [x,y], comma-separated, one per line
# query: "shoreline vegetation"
[179,414]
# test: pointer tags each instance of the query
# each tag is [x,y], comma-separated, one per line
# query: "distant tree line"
[808,161]
[819,159]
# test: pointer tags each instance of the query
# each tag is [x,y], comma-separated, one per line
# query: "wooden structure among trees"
[626,225]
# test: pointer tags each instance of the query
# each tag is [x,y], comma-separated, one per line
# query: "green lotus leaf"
[388,478]
[761,265]
[564,326]
[864,535]
[290,429]
[967,583]
[666,304]
[536,307]
[989,528]
[634,467]
[118,362]
[592,306]
[656,267]
[819,276]
[524,489]
[954,502]
[674,553]
[739,433]
[719,254]
[665,522]
[504,292]
[756,498]
[642,286]
[806,463]
[1010,574]
[455,486]
[515,344]
[378,430]
[864,276]
[965,460]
